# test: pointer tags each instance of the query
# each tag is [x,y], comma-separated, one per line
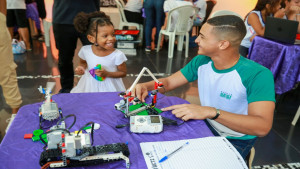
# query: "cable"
[92,130]
[43,127]
[63,119]
[47,132]
[122,125]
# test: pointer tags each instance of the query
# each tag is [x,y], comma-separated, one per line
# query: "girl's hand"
[101,73]
[280,13]
[295,9]
[79,70]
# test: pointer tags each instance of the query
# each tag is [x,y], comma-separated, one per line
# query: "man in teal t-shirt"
[237,95]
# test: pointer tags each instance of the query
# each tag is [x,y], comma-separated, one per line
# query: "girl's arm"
[122,71]
[253,20]
[81,67]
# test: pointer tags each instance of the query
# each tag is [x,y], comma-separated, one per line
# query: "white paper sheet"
[201,153]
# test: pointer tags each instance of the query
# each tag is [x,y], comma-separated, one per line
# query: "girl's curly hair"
[86,22]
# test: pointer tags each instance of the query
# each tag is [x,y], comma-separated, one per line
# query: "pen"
[169,155]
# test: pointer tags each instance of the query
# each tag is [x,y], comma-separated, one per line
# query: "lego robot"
[65,149]
[49,109]
[123,105]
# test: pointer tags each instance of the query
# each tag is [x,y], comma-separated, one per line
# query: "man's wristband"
[217,115]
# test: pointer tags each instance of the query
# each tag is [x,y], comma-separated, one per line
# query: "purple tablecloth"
[17,152]
[282,59]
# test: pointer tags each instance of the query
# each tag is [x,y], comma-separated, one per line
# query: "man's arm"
[175,80]
[3,6]
[258,122]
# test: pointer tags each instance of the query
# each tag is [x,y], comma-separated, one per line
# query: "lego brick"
[28,136]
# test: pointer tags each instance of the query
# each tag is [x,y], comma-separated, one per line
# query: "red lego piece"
[28,136]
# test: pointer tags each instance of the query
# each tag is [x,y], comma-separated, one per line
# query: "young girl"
[101,65]
[255,21]
[292,11]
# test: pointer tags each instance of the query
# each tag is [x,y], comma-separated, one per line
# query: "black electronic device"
[282,30]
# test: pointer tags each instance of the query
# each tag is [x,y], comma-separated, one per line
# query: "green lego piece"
[38,132]
[87,127]
[144,112]
[35,138]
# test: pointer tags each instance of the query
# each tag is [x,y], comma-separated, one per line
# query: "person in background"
[16,16]
[8,76]
[66,36]
[237,95]
[33,15]
[154,18]
[168,6]
[42,14]
[255,21]
[201,5]
[133,11]
[171,4]
[292,10]
[112,67]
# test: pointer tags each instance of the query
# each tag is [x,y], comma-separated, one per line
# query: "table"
[16,152]
[282,59]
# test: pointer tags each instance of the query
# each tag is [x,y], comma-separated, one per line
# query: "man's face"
[207,41]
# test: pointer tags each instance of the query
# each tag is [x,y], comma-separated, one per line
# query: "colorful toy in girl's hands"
[92,72]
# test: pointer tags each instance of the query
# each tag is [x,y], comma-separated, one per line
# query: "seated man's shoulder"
[252,68]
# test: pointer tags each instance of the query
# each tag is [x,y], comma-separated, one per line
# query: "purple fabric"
[144,14]
[32,12]
[17,152]
[282,59]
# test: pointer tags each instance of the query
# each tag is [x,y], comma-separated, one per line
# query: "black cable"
[42,140]
[57,130]
[122,125]
[63,119]
[92,130]
[43,127]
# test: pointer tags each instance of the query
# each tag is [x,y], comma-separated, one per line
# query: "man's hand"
[140,91]
[79,70]
[191,111]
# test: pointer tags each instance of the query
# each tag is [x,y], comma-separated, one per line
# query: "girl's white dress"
[88,83]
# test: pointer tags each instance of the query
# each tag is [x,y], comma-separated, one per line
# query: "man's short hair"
[228,27]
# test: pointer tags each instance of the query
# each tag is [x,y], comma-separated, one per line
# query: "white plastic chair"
[124,22]
[186,15]
[224,12]
[296,117]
